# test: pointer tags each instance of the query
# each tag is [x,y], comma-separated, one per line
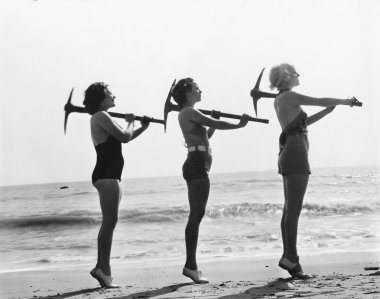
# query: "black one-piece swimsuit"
[109,162]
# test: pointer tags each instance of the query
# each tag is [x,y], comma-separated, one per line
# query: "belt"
[199,148]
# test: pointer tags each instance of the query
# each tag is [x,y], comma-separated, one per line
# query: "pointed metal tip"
[258,81]
[167,107]
[65,123]
[71,94]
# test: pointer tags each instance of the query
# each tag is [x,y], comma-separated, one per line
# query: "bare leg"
[295,188]
[283,231]
[110,194]
[198,191]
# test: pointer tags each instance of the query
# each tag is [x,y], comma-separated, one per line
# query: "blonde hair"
[280,75]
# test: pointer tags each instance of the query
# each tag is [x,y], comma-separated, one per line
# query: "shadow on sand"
[154,293]
[267,290]
[144,294]
[272,289]
[70,294]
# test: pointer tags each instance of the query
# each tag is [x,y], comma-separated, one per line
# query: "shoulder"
[288,98]
[100,115]
[188,112]
[101,118]
[287,94]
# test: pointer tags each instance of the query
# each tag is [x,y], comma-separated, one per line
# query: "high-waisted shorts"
[197,165]
[293,158]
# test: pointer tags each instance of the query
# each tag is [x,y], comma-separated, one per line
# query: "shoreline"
[339,274]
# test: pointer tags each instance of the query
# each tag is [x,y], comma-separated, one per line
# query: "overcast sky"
[139,47]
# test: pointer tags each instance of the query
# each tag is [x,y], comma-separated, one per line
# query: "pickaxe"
[71,108]
[256,94]
[171,107]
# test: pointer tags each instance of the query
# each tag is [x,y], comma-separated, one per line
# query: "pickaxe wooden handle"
[171,107]
[69,108]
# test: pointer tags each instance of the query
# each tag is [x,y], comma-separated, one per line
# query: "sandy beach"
[339,275]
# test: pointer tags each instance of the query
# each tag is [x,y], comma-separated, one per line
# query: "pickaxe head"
[168,105]
[256,93]
[68,108]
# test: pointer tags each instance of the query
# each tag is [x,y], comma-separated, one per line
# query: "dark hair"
[93,96]
[179,91]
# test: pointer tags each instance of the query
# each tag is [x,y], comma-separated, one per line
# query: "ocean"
[46,227]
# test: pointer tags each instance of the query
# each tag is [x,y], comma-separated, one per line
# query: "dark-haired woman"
[195,170]
[107,137]
[293,163]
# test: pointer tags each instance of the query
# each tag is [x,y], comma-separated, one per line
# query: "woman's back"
[286,109]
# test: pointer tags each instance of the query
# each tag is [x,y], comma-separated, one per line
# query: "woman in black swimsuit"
[293,161]
[107,137]
[197,165]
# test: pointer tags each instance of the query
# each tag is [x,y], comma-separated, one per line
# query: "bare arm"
[317,116]
[198,117]
[211,131]
[104,121]
[137,132]
[299,99]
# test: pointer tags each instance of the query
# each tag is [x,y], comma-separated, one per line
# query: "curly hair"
[93,96]
[280,75]
[179,91]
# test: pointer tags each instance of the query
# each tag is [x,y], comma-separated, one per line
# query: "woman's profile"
[107,137]
[196,168]
[293,161]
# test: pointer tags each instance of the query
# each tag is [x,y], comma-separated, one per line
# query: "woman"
[293,161]
[107,137]
[195,170]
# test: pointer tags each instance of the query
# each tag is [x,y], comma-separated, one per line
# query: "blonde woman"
[293,163]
